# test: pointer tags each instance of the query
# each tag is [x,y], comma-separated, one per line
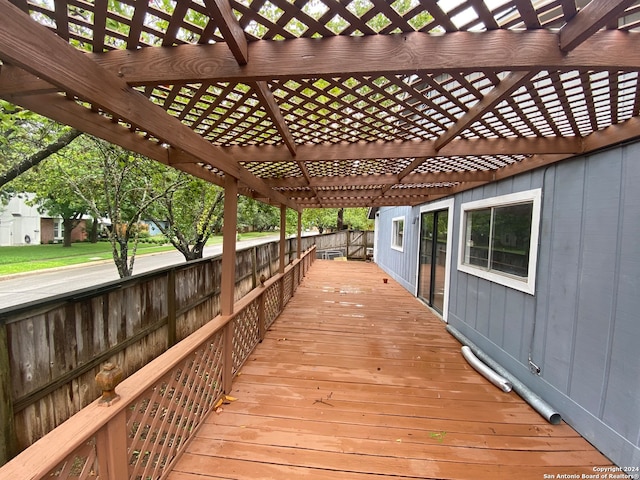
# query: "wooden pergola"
[330,103]
[327,103]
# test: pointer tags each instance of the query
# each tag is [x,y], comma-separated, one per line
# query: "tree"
[258,216]
[329,218]
[320,218]
[53,191]
[356,219]
[23,166]
[26,139]
[126,191]
[187,212]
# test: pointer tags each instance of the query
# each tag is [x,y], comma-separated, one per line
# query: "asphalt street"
[28,287]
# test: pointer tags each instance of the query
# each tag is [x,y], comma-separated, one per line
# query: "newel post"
[111,446]
[111,440]
[108,379]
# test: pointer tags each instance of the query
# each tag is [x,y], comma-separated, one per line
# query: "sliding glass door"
[433,258]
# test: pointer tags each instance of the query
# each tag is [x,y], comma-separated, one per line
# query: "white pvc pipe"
[498,380]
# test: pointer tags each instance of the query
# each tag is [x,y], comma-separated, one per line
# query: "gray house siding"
[583,323]
[401,266]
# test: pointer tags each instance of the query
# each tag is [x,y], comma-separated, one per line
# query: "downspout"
[535,369]
[539,405]
[498,380]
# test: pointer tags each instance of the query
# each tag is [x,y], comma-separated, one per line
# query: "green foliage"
[187,211]
[325,219]
[356,219]
[257,216]
[21,133]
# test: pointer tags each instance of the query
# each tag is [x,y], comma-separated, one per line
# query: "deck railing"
[51,349]
[142,434]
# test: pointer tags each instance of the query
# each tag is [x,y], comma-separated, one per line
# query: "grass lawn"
[28,258]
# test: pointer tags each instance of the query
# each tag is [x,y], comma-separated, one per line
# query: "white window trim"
[527,285]
[447,205]
[58,229]
[394,220]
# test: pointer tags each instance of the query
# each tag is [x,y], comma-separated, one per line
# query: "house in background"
[22,224]
[541,272]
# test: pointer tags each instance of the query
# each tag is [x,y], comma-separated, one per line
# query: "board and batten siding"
[583,323]
[400,265]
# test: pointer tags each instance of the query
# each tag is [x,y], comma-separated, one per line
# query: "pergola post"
[229,235]
[227,282]
[299,252]
[283,237]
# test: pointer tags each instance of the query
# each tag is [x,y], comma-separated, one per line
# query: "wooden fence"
[161,405]
[352,244]
[50,351]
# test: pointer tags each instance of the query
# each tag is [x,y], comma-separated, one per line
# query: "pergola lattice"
[327,103]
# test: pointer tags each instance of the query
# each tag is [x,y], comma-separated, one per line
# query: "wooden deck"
[359,380]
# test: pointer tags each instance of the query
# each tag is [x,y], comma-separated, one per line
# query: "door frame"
[448,205]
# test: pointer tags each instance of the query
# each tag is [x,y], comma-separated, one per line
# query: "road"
[28,287]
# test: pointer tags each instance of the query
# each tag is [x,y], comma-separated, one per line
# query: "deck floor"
[359,380]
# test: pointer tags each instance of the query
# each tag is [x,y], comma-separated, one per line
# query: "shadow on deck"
[358,380]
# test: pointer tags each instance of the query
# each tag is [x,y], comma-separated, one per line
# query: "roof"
[333,103]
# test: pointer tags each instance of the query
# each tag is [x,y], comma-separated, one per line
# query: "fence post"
[171,308]
[254,270]
[7,429]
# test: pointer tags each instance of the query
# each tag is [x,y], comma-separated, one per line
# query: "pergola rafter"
[318,104]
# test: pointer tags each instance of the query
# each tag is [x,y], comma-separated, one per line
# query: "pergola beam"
[30,45]
[68,112]
[383,180]
[345,56]
[235,38]
[221,12]
[407,149]
[268,101]
[505,88]
[594,16]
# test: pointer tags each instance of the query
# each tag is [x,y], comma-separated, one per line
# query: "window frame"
[523,284]
[58,229]
[395,221]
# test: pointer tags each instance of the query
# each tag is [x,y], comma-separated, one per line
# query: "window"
[500,237]
[397,233]
[57,229]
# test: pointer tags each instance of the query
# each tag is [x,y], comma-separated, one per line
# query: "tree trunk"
[68,224]
[340,222]
[121,257]
[93,233]
[195,252]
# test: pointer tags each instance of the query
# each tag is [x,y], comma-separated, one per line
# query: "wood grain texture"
[356,380]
